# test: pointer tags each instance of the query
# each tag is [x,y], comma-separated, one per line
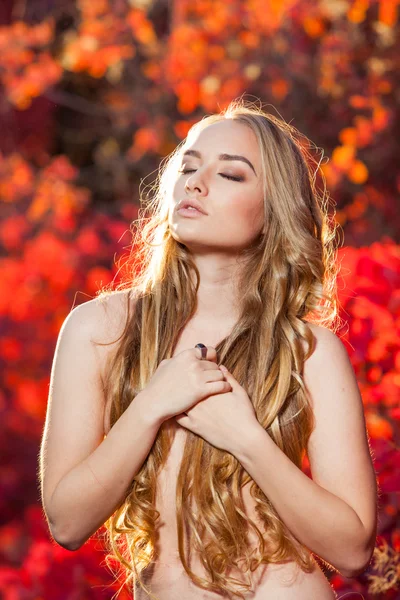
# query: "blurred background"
[93,94]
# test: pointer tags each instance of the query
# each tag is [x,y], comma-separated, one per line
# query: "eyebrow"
[222,157]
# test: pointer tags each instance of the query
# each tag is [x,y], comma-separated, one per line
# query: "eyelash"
[222,174]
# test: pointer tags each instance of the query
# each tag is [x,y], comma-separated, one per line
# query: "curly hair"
[290,282]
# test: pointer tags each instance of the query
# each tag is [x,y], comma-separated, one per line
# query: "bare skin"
[167,577]
[75,456]
[234,219]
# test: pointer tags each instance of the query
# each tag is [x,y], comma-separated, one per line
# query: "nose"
[194,182]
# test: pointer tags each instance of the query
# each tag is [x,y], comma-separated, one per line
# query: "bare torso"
[166,577]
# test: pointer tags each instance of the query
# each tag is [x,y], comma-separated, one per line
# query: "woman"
[181,405]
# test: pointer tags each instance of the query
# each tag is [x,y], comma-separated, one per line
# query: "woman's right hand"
[182,381]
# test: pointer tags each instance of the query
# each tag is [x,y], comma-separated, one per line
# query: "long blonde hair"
[290,281]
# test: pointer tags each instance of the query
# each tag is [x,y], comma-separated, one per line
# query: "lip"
[183,204]
[189,212]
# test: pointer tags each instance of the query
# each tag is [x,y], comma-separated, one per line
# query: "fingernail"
[223,368]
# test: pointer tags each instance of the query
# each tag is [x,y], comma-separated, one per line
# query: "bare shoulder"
[76,404]
[328,361]
[104,318]
[323,334]
[109,312]
[326,343]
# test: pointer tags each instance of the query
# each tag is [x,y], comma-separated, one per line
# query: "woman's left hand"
[224,420]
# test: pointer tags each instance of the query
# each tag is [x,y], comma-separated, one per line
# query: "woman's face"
[234,207]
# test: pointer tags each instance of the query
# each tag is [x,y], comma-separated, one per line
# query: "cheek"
[176,195]
[177,188]
[249,211]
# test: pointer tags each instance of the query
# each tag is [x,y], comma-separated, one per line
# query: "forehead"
[226,136]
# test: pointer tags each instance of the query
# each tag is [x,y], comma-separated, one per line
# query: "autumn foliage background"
[93,95]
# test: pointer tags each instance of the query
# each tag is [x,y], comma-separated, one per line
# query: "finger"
[210,355]
[181,415]
[206,365]
[213,375]
[227,374]
[182,419]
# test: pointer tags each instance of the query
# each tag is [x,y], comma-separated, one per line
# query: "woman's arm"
[83,476]
[335,513]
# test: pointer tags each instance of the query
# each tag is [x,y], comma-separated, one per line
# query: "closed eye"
[239,178]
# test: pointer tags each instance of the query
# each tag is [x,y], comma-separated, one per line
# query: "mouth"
[190,212]
[191,204]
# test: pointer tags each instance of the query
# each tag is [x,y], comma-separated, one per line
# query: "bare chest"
[190,336]
[167,477]
[167,578]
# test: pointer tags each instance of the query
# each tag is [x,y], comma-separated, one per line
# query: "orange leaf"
[377,426]
[374,374]
[348,136]
[146,139]
[182,128]
[364,130]
[380,118]
[152,70]
[29,398]
[280,88]
[342,156]
[11,349]
[388,12]
[12,231]
[357,101]
[358,173]
[314,26]
[188,95]
[357,12]
[249,39]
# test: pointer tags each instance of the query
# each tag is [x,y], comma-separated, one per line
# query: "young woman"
[182,404]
